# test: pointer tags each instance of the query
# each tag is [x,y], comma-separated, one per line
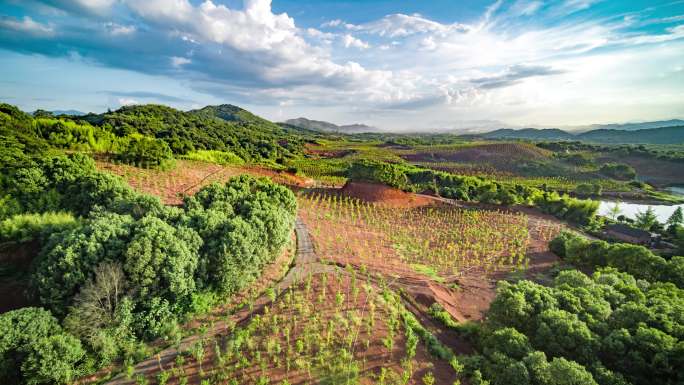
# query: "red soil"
[384,195]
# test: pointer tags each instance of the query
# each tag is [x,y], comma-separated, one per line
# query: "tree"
[160,260]
[618,171]
[675,220]
[96,304]
[647,219]
[53,359]
[69,258]
[615,210]
[20,329]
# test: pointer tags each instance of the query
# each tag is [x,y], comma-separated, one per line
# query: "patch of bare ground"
[492,153]
[383,195]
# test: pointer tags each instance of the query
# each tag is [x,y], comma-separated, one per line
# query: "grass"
[427,270]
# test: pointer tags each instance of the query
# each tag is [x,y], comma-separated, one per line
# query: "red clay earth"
[383,195]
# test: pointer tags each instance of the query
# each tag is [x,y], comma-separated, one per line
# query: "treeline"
[636,260]
[468,188]
[150,135]
[661,152]
[117,268]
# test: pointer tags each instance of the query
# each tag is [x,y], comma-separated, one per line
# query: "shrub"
[25,227]
[145,152]
[33,342]
[213,156]
[618,171]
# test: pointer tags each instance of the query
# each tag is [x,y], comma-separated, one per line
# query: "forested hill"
[235,114]
[152,133]
[661,135]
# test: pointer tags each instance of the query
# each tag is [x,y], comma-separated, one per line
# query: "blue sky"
[399,65]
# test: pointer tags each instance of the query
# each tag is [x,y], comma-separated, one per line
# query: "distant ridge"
[62,112]
[634,126]
[660,135]
[321,126]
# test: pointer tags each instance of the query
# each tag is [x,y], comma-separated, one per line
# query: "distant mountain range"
[660,135]
[321,126]
[62,112]
[633,126]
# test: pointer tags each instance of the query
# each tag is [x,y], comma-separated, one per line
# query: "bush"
[68,259]
[33,342]
[53,359]
[160,260]
[633,259]
[213,156]
[146,152]
[26,227]
[618,171]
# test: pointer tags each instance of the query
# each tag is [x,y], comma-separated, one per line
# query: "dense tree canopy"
[606,329]
[117,267]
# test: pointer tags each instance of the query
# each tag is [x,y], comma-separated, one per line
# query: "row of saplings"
[610,328]
[125,268]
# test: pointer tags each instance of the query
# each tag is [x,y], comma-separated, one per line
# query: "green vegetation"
[474,189]
[117,268]
[149,135]
[605,329]
[113,269]
[636,260]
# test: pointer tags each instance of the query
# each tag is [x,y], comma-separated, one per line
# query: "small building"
[629,234]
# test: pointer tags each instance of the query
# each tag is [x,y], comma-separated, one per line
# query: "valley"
[314,257]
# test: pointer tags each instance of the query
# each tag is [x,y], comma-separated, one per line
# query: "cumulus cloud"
[400,25]
[397,62]
[127,102]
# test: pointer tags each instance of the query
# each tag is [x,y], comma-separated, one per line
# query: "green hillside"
[151,134]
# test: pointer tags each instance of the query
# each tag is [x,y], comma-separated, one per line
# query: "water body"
[630,210]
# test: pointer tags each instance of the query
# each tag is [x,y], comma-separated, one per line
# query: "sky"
[394,64]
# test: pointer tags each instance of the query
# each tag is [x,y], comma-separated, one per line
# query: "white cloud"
[673,33]
[350,41]
[332,23]
[400,25]
[526,7]
[177,61]
[27,25]
[162,10]
[115,29]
